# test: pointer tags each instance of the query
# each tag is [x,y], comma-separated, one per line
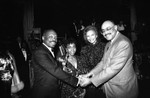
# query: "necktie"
[107,48]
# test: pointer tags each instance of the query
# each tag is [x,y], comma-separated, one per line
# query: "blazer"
[47,74]
[115,70]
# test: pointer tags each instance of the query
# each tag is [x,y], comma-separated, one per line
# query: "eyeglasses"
[107,29]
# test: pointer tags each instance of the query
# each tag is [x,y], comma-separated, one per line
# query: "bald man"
[115,72]
[47,72]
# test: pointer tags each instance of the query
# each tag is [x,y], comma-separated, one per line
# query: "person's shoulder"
[124,41]
[125,38]
[39,48]
[101,43]
[84,49]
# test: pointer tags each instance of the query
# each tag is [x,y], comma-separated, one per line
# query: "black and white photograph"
[74,49]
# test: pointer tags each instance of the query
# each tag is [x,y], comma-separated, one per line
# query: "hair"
[69,41]
[46,31]
[112,21]
[88,28]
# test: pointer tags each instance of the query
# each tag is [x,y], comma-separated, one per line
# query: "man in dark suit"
[47,72]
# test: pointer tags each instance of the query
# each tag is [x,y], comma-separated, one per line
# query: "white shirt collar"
[50,49]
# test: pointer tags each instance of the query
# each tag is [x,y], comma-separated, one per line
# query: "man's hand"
[84,81]
[63,61]
[88,75]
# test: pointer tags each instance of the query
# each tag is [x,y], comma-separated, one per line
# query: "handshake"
[84,80]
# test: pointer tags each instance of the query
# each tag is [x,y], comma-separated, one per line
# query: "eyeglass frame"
[107,29]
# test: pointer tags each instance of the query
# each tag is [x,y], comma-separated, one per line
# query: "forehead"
[107,24]
[51,33]
[90,32]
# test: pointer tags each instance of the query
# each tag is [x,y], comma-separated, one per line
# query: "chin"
[91,42]
[53,46]
[108,39]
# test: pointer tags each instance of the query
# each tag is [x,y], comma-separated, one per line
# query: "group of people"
[101,70]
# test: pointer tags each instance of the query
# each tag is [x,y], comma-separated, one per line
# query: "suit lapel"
[116,39]
[109,50]
[49,53]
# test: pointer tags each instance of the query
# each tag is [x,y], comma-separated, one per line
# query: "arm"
[117,62]
[44,60]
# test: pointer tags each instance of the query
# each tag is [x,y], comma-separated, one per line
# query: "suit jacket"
[47,74]
[115,70]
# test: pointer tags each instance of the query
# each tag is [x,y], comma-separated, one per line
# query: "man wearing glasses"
[115,72]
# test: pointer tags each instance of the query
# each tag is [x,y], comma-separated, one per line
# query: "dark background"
[61,13]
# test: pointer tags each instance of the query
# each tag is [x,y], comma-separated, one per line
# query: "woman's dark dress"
[68,91]
[90,56]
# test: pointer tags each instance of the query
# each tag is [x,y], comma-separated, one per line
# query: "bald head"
[49,32]
[107,24]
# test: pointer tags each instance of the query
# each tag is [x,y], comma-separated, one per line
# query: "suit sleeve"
[117,62]
[44,60]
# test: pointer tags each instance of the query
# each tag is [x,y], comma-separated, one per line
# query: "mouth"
[91,40]
[107,34]
[52,42]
